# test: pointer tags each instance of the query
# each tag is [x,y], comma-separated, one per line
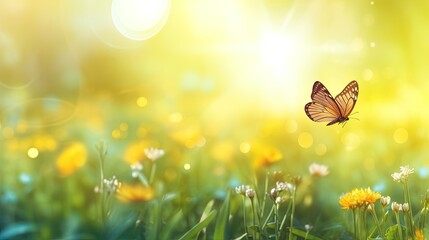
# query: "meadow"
[185,120]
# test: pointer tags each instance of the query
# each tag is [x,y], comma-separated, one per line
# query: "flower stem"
[365,231]
[407,200]
[152,173]
[268,217]
[292,213]
[354,223]
[254,220]
[376,222]
[244,217]
[276,220]
[399,225]
[261,211]
[101,155]
[285,216]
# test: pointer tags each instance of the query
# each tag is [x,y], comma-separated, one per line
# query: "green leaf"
[271,225]
[241,237]
[207,210]
[222,219]
[391,233]
[303,234]
[171,224]
[17,229]
[120,220]
[199,226]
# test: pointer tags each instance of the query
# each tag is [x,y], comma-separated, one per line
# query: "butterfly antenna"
[354,117]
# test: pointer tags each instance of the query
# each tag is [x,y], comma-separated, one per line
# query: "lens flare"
[140,19]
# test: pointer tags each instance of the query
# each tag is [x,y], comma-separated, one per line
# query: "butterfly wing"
[347,98]
[323,108]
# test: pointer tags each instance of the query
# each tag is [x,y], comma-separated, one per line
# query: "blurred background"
[216,84]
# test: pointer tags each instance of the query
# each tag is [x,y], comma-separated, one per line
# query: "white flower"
[397,177]
[250,193]
[308,227]
[396,207]
[242,189]
[135,169]
[154,153]
[405,207]
[284,186]
[280,200]
[406,170]
[318,170]
[402,176]
[385,201]
[111,184]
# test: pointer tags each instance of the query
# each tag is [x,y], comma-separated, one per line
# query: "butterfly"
[325,108]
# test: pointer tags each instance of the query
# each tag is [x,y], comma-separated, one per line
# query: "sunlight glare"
[140,19]
[278,51]
[282,54]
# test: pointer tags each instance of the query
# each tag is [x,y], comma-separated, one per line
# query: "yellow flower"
[419,234]
[134,193]
[370,196]
[71,158]
[267,157]
[358,198]
[347,201]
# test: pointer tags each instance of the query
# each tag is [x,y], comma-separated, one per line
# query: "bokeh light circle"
[320,149]
[33,152]
[351,141]
[140,19]
[400,135]
[245,147]
[186,166]
[142,101]
[291,126]
[305,140]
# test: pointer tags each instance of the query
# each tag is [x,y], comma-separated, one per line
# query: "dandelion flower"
[358,198]
[347,201]
[267,157]
[128,193]
[71,158]
[318,170]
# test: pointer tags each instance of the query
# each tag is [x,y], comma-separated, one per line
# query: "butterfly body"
[325,108]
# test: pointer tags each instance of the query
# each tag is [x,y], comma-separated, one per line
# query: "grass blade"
[198,227]
[222,219]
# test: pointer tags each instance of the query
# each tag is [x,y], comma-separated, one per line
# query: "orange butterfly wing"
[347,98]
[324,108]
